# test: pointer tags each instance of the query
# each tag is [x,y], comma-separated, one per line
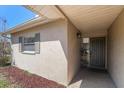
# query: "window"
[85,40]
[30,44]
[29,40]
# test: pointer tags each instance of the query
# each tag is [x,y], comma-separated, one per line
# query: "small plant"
[3,84]
[4,60]
[5,53]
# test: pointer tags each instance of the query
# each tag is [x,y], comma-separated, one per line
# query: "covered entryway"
[93,22]
[93,72]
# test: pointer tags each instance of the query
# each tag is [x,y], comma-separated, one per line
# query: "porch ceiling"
[47,11]
[88,18]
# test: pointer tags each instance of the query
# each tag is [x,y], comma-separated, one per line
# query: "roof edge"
[31,23]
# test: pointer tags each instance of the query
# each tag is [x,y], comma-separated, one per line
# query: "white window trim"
[28,52]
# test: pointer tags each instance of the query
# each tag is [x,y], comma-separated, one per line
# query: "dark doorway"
[97,52]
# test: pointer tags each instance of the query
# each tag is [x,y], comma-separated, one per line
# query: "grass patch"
[4,84]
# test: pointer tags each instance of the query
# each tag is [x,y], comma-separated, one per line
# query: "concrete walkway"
[90,78]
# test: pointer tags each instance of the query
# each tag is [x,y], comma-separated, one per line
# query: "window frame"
[36,41]
[28,42]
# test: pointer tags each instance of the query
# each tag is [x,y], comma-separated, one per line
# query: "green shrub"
[3,84]
[4,60]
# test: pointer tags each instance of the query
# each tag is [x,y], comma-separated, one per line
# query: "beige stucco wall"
[51,63]
[59,58]
[116,51]
[73,52]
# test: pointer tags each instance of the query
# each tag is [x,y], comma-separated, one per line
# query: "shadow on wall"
[52,59]
[54,49]
[47,43]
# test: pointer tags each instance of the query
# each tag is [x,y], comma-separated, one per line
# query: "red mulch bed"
[27,80]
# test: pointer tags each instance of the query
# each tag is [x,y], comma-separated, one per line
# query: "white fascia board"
[29,24]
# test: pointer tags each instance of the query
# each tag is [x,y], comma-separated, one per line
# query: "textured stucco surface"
[59,57]
[73,51]
[51,63]
[116,50]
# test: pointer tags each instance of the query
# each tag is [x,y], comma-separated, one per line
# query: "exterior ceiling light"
[79,35]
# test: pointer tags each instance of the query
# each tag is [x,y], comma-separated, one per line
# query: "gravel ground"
[17,78]
[5,83]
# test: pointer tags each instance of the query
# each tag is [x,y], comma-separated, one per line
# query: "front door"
[97,52]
